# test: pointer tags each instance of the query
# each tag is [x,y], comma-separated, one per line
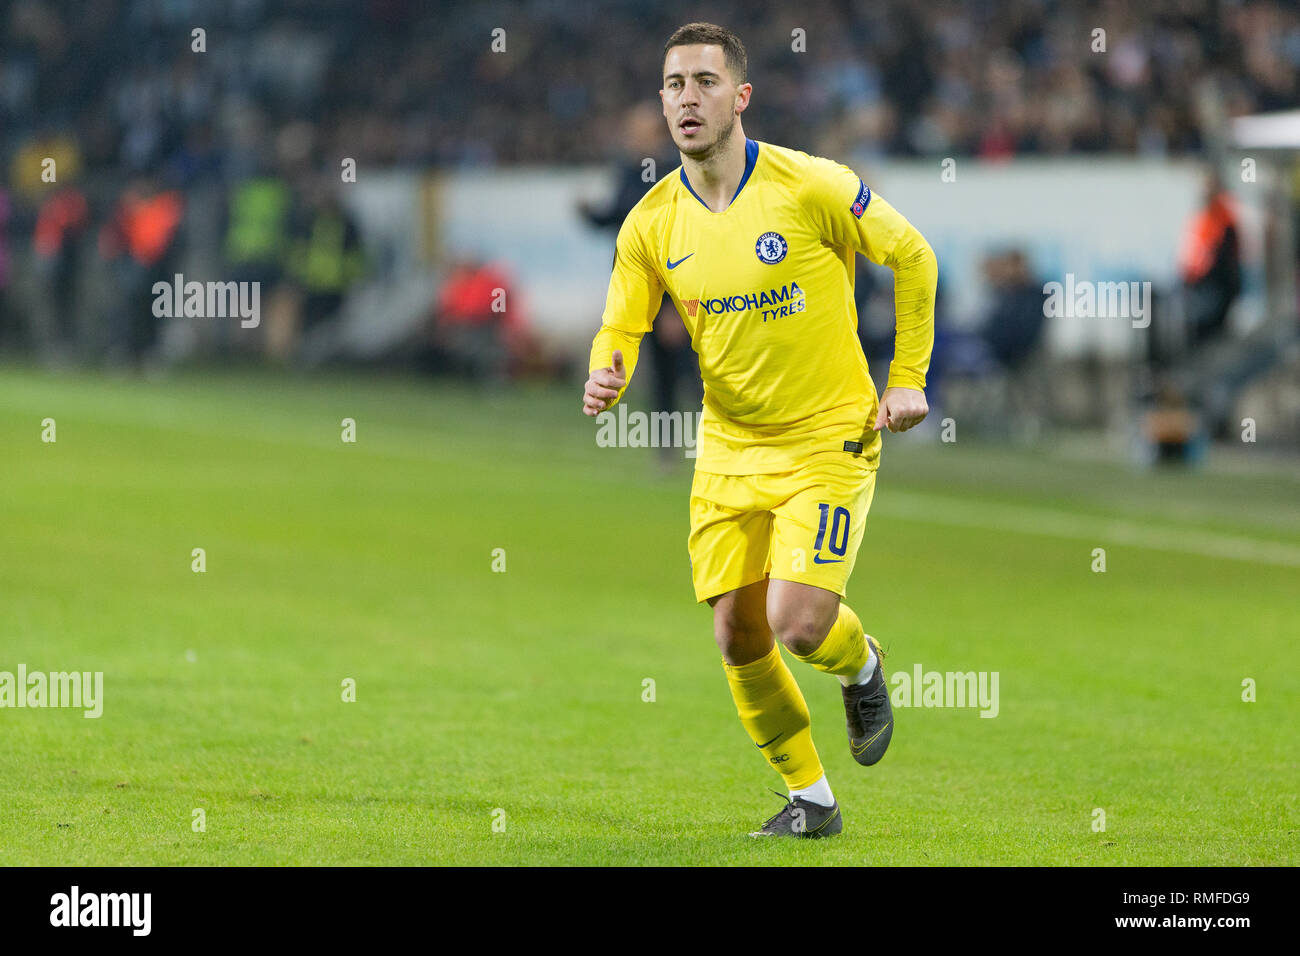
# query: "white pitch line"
[933,509]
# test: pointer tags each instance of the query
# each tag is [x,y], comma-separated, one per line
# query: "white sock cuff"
[819,793]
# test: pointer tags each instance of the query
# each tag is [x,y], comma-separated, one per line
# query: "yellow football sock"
[844,652]
[774,713]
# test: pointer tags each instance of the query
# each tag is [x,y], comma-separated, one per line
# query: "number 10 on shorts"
[839,541]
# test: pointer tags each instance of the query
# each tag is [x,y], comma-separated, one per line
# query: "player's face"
[701,101]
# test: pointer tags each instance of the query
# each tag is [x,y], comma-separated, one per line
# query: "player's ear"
[742,96]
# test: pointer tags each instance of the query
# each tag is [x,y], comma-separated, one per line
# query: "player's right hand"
[603,386]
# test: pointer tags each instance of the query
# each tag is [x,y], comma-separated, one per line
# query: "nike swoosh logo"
[774,739]
[673,265]
[818,559]
[858,750]
[830,819]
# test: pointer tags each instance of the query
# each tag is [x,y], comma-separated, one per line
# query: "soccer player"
[755,245]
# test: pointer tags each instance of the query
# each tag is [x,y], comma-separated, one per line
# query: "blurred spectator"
[48,157]
[61,225]
[140,244]
[994,375]
[12,332]
[1210,264]
[325,257]
[1013,332]
[258,220]
[644,136]
[1172,430]
[1014,323]
[257,229]
[476,324]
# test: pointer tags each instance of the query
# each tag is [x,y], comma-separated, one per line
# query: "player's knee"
[741,637]
[801,628]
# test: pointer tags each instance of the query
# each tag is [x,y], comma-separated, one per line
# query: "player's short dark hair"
[711,34]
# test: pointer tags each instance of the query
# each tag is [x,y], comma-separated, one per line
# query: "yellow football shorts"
[803,525]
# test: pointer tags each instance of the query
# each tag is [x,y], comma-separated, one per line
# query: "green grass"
[522,690]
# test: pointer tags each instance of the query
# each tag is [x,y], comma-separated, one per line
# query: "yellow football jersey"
[765,289]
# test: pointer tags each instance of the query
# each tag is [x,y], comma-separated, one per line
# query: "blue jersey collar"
[751,158]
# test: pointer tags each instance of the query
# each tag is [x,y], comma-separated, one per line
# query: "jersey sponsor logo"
[673,265]
[771,248]
[863,201]
[774,303]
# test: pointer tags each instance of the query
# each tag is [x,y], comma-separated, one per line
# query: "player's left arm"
[848,214]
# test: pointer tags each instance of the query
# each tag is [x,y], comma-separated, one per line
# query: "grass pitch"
[515,698]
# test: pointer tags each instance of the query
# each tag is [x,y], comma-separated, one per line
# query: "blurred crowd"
[410,82]
[903,77]
[129,128]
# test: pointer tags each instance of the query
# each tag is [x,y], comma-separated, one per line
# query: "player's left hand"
[901,408]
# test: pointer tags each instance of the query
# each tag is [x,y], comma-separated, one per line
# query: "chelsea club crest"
[771,248]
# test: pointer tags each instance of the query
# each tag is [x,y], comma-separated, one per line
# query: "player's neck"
[716,177]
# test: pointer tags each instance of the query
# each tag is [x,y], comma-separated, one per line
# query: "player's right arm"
[604,386]
[635,292]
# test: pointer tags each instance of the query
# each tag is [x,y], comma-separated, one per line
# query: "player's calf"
[856,659]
